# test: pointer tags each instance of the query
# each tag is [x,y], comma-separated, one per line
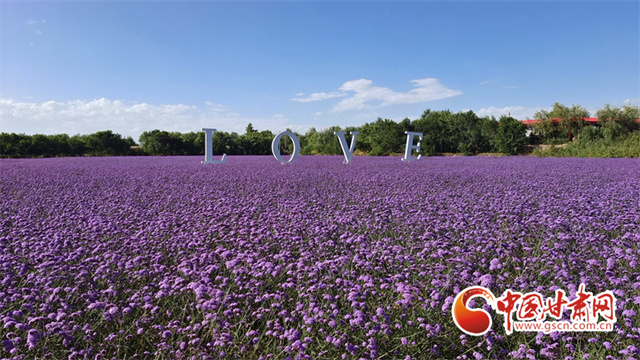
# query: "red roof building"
[591,120]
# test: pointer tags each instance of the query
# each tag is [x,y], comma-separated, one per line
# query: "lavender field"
[163,257]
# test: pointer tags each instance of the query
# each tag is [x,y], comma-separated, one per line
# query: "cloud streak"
[319,96]
[33,22]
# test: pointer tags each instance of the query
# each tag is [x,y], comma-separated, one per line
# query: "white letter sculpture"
[208,148]
[348,152]
[275,148]
[409,147]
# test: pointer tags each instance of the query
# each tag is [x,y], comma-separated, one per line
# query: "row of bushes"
[102,143]
[443,131]
[610,140]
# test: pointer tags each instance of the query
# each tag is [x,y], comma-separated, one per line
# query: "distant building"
[591,120]
[530,130]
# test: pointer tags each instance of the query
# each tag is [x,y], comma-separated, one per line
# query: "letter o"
[275,149]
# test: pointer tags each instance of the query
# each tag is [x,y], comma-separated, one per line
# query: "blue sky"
[81,67]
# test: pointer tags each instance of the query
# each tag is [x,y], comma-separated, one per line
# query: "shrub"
[591,133]
[510,137]
[612,130]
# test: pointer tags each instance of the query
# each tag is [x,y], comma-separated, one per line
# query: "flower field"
[163,257]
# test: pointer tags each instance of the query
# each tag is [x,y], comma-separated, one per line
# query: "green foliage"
[488,129]
[626,116]
[383,137]
[591,133]
[612,130]
[510,137]
[468,134]
[569,120]
[255,143]
[193,143]
[38,145]
[464,132]
[157,142]
[557,141]
[546,130]
[443,132]
[436,131]
[107,143]
[250,129]
[627,145]
[323,142]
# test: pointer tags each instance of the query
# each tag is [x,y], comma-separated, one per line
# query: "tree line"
[102,143]
[443,132]
[563,122]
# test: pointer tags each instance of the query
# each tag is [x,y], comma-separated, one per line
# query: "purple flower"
[495,264]
[32,338]
[629,313]
[309,257]
[486,281]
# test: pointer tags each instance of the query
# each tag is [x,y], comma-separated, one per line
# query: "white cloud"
[33,22]
[127,119]
[318,96]
[631,102]
[214,107]
[427,89]
[517,112]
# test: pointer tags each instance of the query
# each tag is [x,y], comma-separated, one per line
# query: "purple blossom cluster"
[163,257]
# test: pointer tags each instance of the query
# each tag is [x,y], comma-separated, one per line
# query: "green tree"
[626,116]
[591,134]
[255,142]
[106,142]
[323,142]
[545,128]
[466,132]
[77,145]
[510,136]
[14,145]
[193,143]
[436,130]
[250,129]
[488,128]
[307,139]
[613,130]
[570,120]
[157,142]
[41,146]
[383,137]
